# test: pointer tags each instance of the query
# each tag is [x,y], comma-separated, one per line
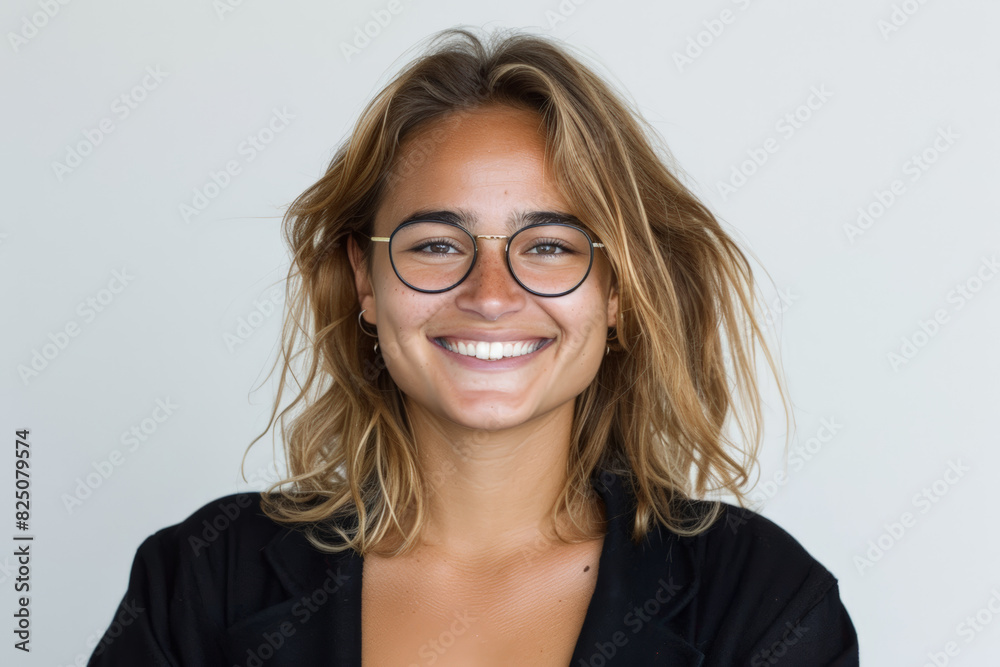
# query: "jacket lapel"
[639,590]
[320,623]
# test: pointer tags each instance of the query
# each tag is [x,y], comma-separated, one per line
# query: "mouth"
[492,350]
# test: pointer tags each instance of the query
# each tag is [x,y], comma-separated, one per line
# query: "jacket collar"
[640,589]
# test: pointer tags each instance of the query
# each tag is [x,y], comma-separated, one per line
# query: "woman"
[516,324]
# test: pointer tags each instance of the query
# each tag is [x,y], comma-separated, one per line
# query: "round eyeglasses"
[546,258]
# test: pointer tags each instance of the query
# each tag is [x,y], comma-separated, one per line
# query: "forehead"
[492,127]
[516,220]
[481,168]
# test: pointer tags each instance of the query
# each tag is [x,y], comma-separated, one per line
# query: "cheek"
[404,317]
[585,327]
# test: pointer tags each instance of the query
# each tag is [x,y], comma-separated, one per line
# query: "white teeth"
[492,350]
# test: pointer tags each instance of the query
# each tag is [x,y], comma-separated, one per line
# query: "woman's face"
[485,166]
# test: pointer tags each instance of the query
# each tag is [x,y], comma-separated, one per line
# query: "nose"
[490,289]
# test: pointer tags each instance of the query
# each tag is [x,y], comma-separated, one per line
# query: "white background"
[850,301]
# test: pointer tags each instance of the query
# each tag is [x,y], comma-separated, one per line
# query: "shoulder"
[751,573]
[744,555]
[236,519]
[741,591]
[188,583]
[229,523]
[199,558]
[746,541]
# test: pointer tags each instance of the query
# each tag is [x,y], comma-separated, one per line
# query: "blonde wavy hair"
[657,411]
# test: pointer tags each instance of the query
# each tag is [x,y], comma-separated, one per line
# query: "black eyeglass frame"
[475,253]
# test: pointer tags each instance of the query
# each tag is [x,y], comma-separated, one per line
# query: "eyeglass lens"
[548,259]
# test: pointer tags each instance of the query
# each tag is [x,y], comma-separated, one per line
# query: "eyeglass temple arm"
[385,239]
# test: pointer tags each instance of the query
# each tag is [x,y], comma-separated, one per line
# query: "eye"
[549,247]
[436,246]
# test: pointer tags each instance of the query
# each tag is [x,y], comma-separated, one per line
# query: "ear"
[613,302]
[366,295]
[613,306]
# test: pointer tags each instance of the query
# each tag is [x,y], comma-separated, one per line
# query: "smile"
[491,350]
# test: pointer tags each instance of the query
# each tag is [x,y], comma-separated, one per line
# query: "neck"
[491,493]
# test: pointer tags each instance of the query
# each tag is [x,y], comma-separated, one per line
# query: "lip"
[490,335]
[485,364]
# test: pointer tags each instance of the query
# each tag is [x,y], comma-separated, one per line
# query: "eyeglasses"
[547,258]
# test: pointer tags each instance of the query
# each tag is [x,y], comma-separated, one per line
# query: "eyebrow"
[469,220]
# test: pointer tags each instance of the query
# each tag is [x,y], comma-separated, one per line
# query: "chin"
[490,414]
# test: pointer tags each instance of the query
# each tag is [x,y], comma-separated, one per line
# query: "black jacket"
[229,587]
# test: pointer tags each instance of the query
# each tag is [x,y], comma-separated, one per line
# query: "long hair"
[682,363]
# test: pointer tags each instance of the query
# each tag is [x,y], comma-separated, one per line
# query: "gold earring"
[361,323]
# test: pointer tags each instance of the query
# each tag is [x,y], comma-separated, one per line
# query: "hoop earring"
[361,323]
[614,336]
